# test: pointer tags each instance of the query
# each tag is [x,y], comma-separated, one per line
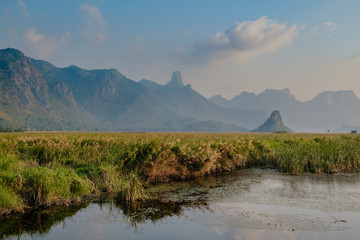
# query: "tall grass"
[319,155]
[38,169]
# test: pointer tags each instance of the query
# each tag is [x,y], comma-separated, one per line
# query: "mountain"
[273,124]
[332,109]
[34,94]
[176,80]
[220,101]
[266,100]
[327,111]
[150,84]
[245,100]
[189,104]
[281,98]
[29,101]
[114,100]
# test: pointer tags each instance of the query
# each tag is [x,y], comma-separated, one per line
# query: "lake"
[246,204]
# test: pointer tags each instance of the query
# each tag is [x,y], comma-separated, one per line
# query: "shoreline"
[44,169]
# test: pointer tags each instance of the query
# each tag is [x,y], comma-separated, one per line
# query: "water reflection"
[40,222]
[37,222]
[251,204]
[155,210]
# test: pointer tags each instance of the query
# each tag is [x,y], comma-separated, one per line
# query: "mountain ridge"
[329,110]
[72,98]
[36,95]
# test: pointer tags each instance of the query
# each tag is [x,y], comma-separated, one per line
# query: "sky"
[221,47]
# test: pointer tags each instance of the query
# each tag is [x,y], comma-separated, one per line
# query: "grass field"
[41,169]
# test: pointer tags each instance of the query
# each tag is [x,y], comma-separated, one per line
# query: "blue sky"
[221,47]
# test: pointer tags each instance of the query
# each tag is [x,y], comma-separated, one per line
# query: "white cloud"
[329,25]
[243,41]
[23,8]
[95,25]
[42,46]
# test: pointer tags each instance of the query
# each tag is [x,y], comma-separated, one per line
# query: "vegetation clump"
[42,169]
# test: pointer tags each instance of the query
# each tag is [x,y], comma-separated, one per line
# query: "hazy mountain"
[265,100]
[114,100]
[273,124]
[189,104]
[281,98]
[37,95]
[150,84]
[176,80]
[245,100]
[29,100]
[331,110]
[328,110]
[220,101]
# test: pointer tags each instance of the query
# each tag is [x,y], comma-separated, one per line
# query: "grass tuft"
[132,189]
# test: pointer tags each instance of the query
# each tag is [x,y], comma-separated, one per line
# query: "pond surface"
[247,204]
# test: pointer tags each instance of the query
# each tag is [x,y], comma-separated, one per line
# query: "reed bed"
[42,169]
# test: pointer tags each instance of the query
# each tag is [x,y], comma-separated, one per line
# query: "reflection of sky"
[246,205]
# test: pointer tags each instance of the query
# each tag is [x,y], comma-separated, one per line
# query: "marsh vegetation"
[43,169]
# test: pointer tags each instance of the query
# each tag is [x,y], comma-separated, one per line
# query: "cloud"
[23,8]
[241,42]
[329,25]
[95,25]
[42,46]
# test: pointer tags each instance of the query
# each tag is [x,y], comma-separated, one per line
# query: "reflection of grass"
[36,222]
[135,213]
[39,169]
[155,210]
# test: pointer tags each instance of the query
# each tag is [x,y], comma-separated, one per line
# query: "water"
[247,204]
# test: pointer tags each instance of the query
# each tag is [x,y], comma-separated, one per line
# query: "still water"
[247,204]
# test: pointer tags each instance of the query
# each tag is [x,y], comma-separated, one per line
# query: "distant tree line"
[10,129]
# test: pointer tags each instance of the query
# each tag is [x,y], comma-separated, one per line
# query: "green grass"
[41,169]
[8,198]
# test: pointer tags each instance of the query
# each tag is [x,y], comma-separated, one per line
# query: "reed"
[40,169]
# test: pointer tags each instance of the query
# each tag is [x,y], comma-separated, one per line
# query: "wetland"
[244,204]
[179,185]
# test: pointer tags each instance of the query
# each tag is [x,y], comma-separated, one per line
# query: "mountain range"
[330,110]
[36,95]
